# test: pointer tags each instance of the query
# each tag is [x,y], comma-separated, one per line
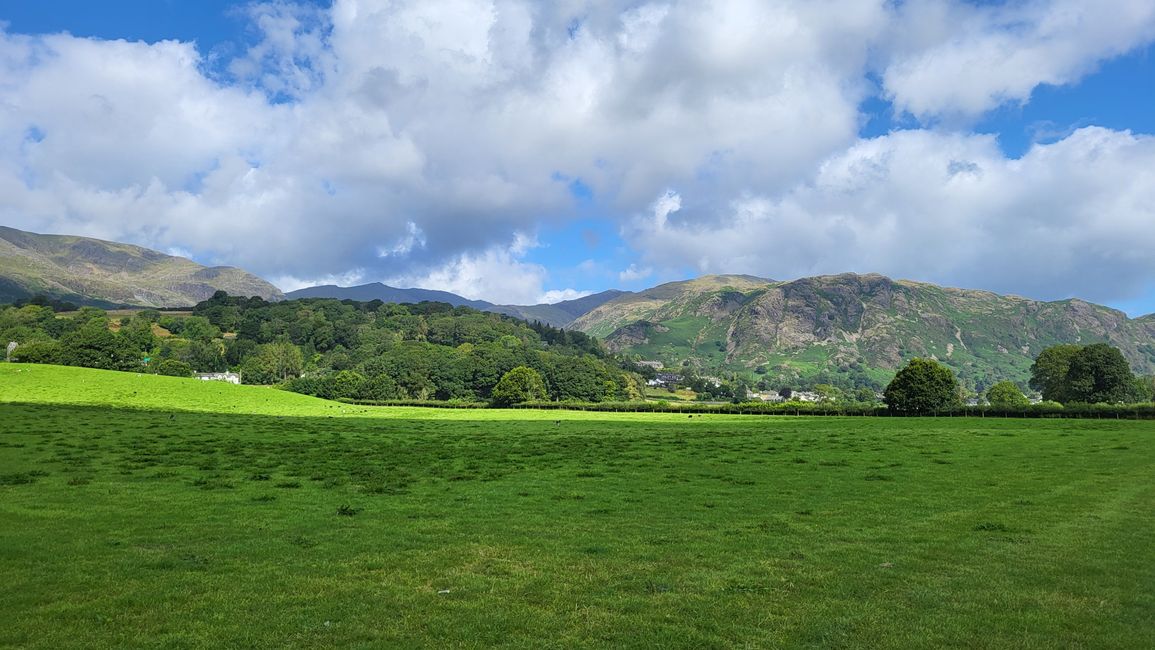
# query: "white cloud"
[554,296]
[288,283]
[412,239]
[1069,218]
[958,59]
[496,274]
[633,273]
[421,140]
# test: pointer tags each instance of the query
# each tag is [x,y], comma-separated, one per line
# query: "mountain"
[96,272]
[560,314]
[855,329]
[385,293]
[664,301]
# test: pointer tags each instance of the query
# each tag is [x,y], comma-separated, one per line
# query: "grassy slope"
[101,272]
[194,528]
[652,303]
[44,384]
[803,327]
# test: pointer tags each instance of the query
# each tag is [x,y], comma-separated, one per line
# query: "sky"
[520,151]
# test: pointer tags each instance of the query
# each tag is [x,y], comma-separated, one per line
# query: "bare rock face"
[859,324]
[633,335]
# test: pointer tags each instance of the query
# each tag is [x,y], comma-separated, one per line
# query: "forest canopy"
[329,348]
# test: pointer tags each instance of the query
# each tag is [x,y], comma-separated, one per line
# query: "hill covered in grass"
[90,271]
[855,329]
[47,384]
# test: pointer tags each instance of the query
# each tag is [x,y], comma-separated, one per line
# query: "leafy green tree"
[519,385]
[174,368]
[827,393]
[1145,388]
[1099,373]
[348,383]
[381,387]
[272,363]
[1006,394]
[205,356]
[198,328]
[138,334]
[1049,372]
[923,386]
[94,346]
[865,395]
[39,352]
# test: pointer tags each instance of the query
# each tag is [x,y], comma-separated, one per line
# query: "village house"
[230,377]
[665,380]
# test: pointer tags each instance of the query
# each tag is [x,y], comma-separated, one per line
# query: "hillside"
[96,272]
[666,301]
[560,314]
[385,293]
[855,329]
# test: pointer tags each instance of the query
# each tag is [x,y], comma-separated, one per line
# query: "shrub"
[1006,394]
[174,368]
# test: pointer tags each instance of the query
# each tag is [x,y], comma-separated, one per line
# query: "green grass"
[246,517]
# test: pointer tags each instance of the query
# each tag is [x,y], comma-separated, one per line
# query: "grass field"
[140,511]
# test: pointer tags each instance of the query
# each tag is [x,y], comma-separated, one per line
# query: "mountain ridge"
[856,329]
[559,314]
[93,271]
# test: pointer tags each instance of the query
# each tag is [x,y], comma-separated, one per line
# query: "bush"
[1006,394]
[41,352]
[174,368]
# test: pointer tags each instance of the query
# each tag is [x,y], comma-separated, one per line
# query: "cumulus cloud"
[1069,218]
[421,141]
[953,58]
[497,272]
[559,295]
[634,274]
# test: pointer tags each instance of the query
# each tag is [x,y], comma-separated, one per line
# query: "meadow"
[143,511]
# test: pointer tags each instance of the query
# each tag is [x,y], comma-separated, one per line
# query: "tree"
[827,393]
[1099,373]
[924,385]
[522,384]
[1006,395]
[39,352]
[198,328]
[174,368]
[272,363]
[94,346]
[1049,372]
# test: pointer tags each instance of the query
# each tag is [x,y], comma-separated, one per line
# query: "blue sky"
[523,151]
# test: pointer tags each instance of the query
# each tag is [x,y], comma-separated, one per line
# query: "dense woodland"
[328,348]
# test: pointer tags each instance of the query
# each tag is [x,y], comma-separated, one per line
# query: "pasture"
[140,511]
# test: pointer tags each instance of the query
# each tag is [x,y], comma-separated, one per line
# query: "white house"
[230,377]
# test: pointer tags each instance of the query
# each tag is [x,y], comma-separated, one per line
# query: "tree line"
[329,348]
[1065,374]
